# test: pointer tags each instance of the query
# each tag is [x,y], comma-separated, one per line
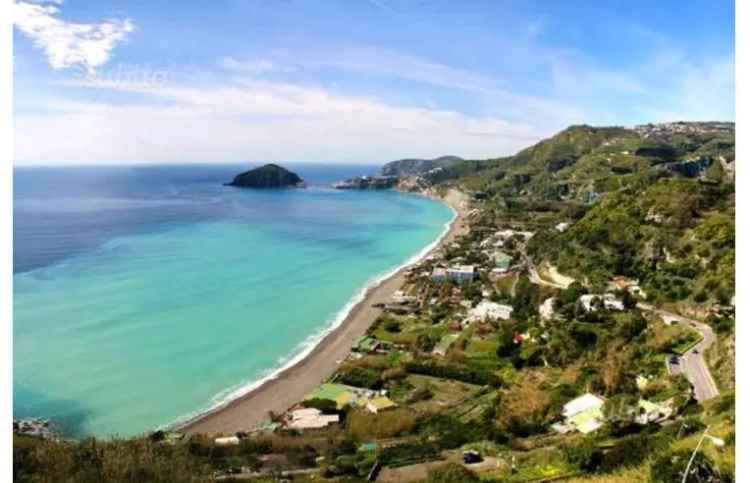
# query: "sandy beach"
[294,383]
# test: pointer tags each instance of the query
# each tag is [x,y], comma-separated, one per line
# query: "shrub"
[632,450]
[406,454]
[585,456]
[126,460]
[360,377]
[346,446]
[325,406]
[670,467]
[426,342]
[451,473]
[448,431]
[420,394]
[250,446]
[471,376]
[692,425]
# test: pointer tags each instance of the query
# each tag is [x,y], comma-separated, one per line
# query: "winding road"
[692,363]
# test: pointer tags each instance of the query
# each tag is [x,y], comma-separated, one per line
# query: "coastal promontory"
[267,176]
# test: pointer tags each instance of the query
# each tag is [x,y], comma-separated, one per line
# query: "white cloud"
[253,66]
[701,91]
[380,61]
[258,121]
[68,44]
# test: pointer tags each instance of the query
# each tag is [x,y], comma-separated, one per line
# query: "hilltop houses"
[624,283]
[590,302]
[503,235]
[499,238]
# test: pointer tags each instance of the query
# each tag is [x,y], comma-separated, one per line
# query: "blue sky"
[354,81]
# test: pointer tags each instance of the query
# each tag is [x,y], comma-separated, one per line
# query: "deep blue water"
[60,212]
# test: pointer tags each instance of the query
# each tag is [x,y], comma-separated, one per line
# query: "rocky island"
[267,176]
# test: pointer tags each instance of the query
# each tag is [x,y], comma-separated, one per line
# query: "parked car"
[472,456]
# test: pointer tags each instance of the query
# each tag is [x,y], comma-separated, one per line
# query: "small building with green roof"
[367,344]
[502,260]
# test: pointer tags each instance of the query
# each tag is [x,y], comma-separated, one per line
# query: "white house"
[487,310]
[227,441]
[547,309]
[439,275]
[583,414]
[400,297]
[462,273]
[609,301]
[562,226]
[669,319]
[650,412]
[379,404]
[309,418]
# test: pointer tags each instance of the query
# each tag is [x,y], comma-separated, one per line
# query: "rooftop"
[582,403]
[381,403]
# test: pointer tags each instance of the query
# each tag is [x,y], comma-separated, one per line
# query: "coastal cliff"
[411,167]
[267,176]
[367,183]
[403,175]
[410,184]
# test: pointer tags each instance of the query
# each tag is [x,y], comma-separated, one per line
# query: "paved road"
[692,363]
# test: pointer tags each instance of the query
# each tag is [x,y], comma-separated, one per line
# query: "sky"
[353,81]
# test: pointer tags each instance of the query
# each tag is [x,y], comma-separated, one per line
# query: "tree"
[506,346]
[628,301]
[571,294]
[526,300]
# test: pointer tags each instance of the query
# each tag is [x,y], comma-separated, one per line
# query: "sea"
[145,295]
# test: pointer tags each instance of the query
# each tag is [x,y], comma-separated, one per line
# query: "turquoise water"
[153,325]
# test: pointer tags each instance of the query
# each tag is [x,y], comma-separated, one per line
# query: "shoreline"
[289,384]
